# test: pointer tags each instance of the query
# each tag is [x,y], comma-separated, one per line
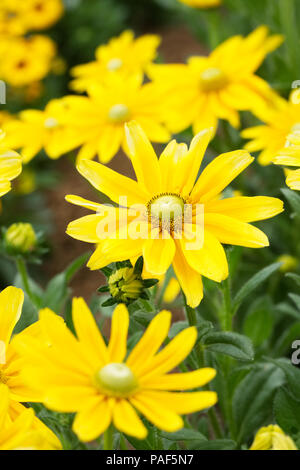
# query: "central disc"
[167,208]
[116,379]
[114,64]
[212,79]
[118,113]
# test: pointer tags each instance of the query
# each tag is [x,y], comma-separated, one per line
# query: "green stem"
[213,23]
[288,21]
[192,319]
[21,266]
[108,439]
[215,423]
[227,314]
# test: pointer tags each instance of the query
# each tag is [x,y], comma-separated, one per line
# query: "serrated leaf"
[231,344]
[253,283]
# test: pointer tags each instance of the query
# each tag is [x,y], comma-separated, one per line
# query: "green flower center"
[116,379]
[212,79]
[114,64]
[119,113]
[165,210]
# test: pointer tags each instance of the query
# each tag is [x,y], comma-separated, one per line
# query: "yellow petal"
[246,209]
[184,403]
[183,381]
[233,232]
[11,302]
[111,183]
[150,342]
[158,255]
[143,157]
[117,346]
[93,420]
[219,174]
[68,398]
[126,420]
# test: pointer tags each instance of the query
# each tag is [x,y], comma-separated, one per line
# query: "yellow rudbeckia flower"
[218,86]
[26,60]
[290,156]
[11,365]
[11,20]
[10,166]
[279,122]
[202,3]
[104,384]
[123,55]
[40,14]
[272,437]
[163,188]
[98,120]
[35,130]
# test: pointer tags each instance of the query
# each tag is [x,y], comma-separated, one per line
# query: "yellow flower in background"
[13,435]
[10,166]
[289,263]
[218,86]
[290,156]
[40,14]
[164,187]
[172,291]
[98,120]
[11,365]
[272,438]
[279,122]
[11,21]
[35,130]
[202,3]
[26,60]
[105,384]
[123,55]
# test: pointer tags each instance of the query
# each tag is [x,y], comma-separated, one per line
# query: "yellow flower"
[98,120]
[10,166]
[40,14]
[11,20]
[26,60]
[289,263]
[165,188]
[13,435]
[11,365]
[123,55]
[104,384]
[36,130]
[217,86]
[172,291]
[279,122]
[272,438]
[202,3]
[20,237]
[290,156]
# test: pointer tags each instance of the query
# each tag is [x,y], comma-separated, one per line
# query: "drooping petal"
[93,419]
[126,420]
[158,254]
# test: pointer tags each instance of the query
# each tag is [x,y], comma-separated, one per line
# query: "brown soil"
[177,45]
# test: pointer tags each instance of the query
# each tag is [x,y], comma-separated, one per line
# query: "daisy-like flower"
[40,14]
[123,55]
[35,130]
[163,189]
[11,365]
[279,122]
[202,3]
[98,120]
[272,437]
[105,384]
[26,60]
[10,166]
[218,86]
[290,156]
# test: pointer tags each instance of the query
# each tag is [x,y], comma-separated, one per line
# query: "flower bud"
[20,237]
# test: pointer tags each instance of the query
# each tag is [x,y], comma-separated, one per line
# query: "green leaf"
[251,402]
[231,344]
[283,343]
[259,321]
[184,434]
[287,412]
[293,199]
[296,299]
[253,283]
[216,444]
[292,375]
[294,277]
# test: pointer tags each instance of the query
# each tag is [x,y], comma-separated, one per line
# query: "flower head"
[10,166]
[20,237]
[124,56]
[202,3]
[40,14]
[11,365]
[105,384]
[272,437]
[279,122]
[179,220]
[99,118]
[221,84]
[290,156]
